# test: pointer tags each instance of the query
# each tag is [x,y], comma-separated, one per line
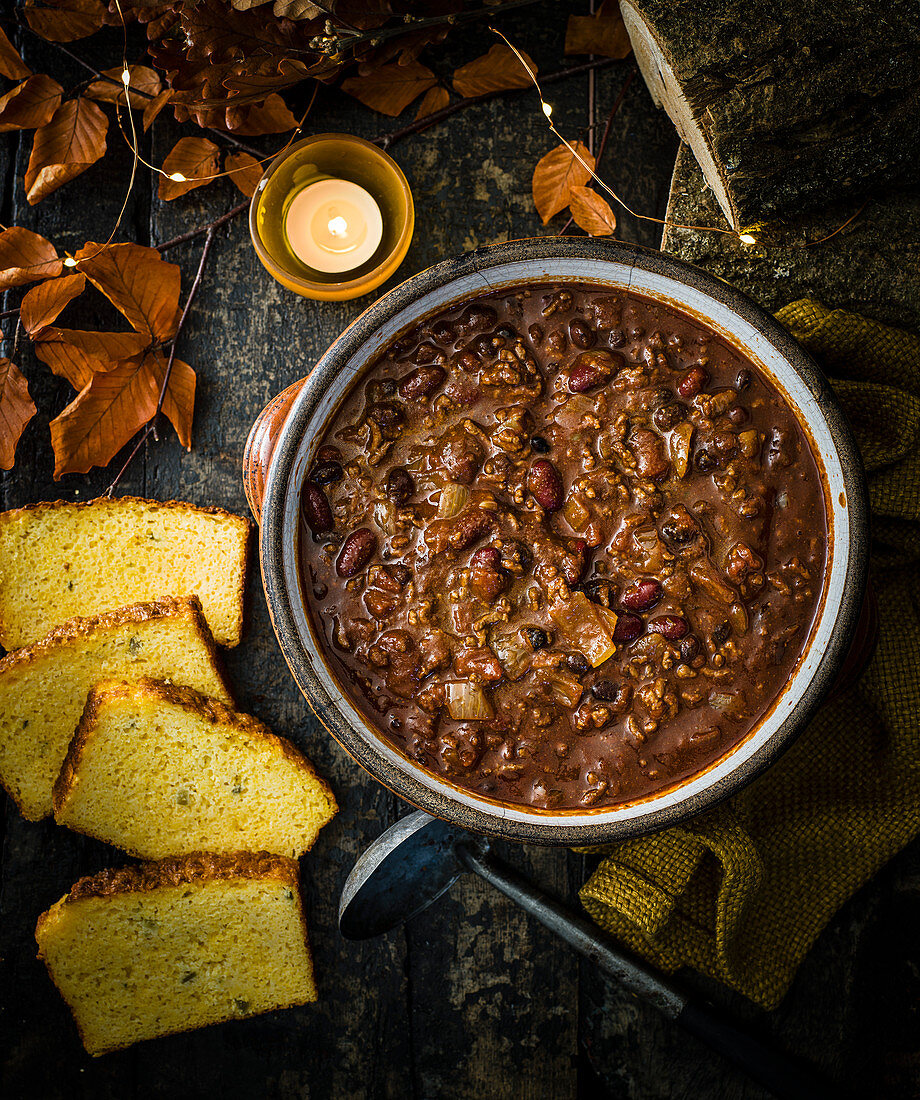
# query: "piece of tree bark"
[786,104]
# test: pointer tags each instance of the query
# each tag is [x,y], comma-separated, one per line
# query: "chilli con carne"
[564,545]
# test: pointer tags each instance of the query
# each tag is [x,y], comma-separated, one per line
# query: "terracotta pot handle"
[260,446]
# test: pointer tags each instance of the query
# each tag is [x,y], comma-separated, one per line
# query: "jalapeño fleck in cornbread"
[166,947]
[61,560]
[162,771]
[43,688]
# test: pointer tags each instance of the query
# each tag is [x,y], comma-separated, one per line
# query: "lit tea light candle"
[333,225]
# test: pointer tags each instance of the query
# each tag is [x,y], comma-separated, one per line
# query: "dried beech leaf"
[65,20]
[555,176]
[193,157]
[296,9]
[435,99]
[391,88]
[30,104]
[65,147]
[76,354]
[246,172]
[156,105]
[26,257]
[603,33]
[144,287]
[114,405]
[270,117]
[11,64]
[495,71]
[145,83]
[591,212]
[16,410]
[42,304]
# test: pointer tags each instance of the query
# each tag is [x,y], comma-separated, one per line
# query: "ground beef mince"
[565,546]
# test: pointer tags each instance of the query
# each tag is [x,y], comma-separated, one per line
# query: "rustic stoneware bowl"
[281,447]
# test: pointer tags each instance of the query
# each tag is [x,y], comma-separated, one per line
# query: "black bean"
[617,338]
[540,445]
[537,637]
[402,574]
[677,533]
[670,415]
[744,379]
[721,633]
[577,663]
[328,473]
[601,592]
[706,461]
[689,647]
[506,333]
[399,485]
[605,690]
[738,414]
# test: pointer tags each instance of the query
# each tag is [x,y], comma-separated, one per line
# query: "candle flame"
[747,238]
[338,227]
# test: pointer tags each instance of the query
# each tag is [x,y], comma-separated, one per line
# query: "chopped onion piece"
[680,447]
[385,517]
[514,654]
[731,703]
[467,702]
[576,514]
[566,688]
[454,499]
[583,628]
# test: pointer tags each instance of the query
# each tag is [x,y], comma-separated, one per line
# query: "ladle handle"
[785,1077]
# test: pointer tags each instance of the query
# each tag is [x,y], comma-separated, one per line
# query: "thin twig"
[209,228]
[150,428]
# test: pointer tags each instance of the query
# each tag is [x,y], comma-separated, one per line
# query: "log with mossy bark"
[790,104]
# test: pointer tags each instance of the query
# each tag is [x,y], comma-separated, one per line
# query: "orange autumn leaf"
[555,176]
[145,83]
[30,104]
[245,171]
[65,147]
[496,71]
[26,257]
[43,303]
[192,157]
[591,212]
[391,88]
[16,410]
[76,354]
[602,33]
[141,285]
[11,64]
[65,20]
[435,99]
[115,404]
[154,107]
[270,117]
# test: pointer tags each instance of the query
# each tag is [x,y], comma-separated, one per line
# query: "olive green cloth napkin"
[742,891]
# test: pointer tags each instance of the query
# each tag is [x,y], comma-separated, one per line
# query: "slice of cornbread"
[165,947]
[162,771]
[43,688]
[61,560]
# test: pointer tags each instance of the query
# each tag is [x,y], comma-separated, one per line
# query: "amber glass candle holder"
[336,156]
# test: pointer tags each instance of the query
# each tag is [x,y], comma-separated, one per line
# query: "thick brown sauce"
[666,518]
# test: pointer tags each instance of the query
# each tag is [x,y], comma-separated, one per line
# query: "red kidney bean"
[327,454]
[544,482]
[671,627]
[357,550]
[605,690]
[738,414]
[628,628]
[581,334]
[692,382]
[642,595]
[316,510]
[489,557]
[593,368]
[399,486]
[421,382]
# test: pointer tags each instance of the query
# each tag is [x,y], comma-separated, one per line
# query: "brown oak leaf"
[42,304]
[591,212]
[16,410]
[156,105]
[30,104]
[495,71]
[76,354]
[602,33]
[555,176]
[115,404]
[141,285]
[435,99]
[270,117]
[11,64]
[391,88]
[245,171]
[145,83]
[192,157]
[26,257]
[65,20]
[65,147]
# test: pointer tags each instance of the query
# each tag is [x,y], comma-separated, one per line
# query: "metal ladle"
[420,857]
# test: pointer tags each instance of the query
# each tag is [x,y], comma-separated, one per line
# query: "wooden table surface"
[470,1000]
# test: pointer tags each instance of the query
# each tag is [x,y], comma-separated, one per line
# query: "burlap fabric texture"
[742,891]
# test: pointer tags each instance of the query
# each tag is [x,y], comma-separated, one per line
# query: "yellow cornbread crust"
[211,710]
[115,503]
